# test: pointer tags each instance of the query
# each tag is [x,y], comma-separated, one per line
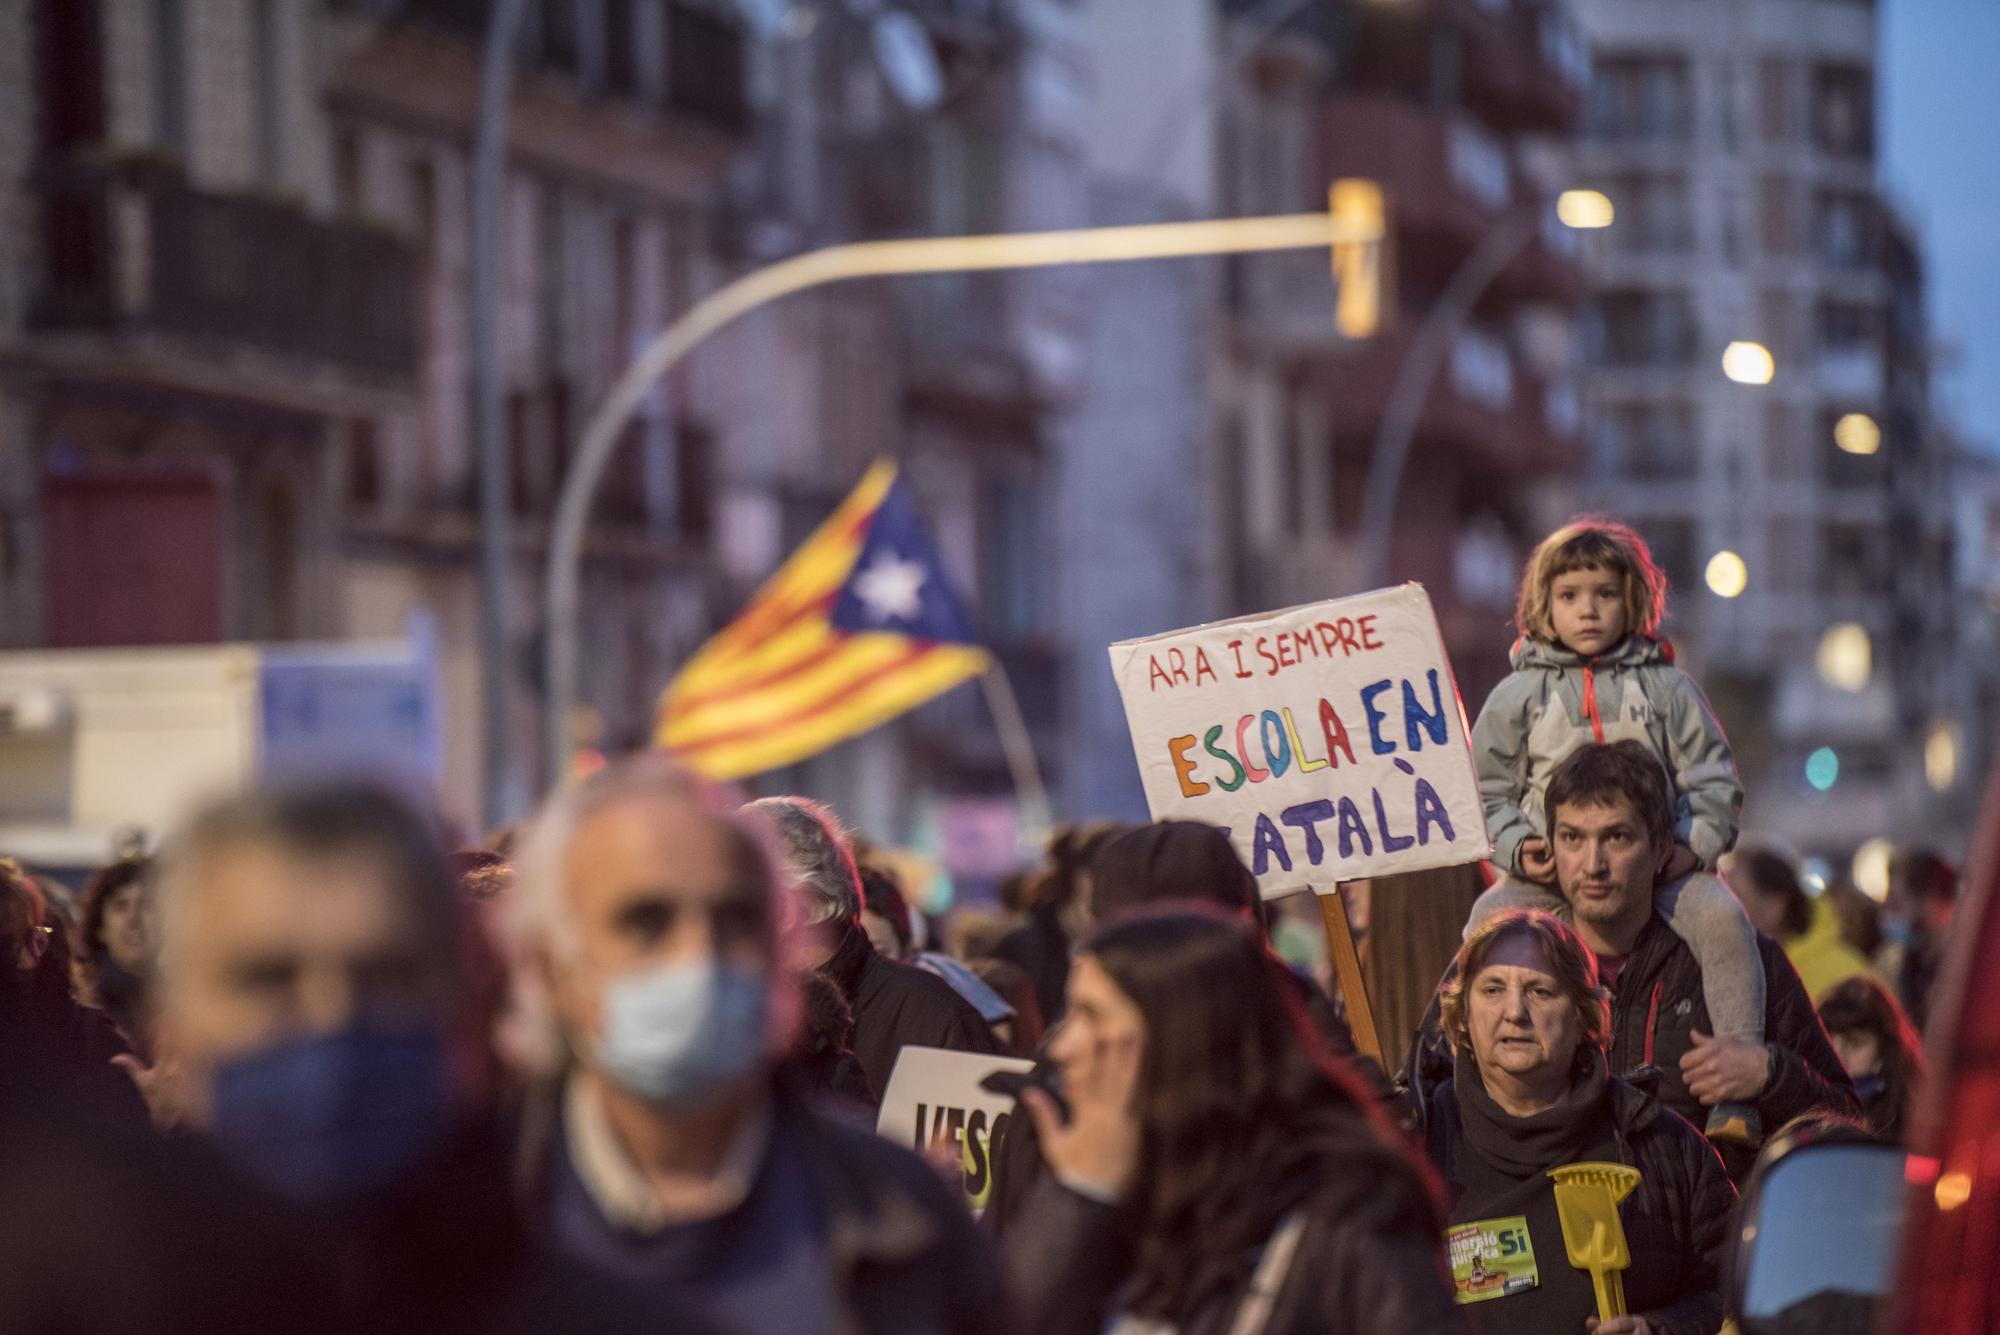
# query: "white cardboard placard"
[1328,739]
[934,1096]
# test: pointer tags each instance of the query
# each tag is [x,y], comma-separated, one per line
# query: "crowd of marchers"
[304,1070]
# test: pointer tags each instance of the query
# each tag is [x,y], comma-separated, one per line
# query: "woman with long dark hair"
[1212,1170]
[1880,1049]
[114,948]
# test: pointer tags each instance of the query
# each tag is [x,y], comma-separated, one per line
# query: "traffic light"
[1360,267]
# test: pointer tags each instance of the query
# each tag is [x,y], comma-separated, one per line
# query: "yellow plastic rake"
[1587,1197]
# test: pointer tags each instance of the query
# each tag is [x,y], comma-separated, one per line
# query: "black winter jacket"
[1656,1007]
[1684,1195]
[896,1006]
[1368,1263]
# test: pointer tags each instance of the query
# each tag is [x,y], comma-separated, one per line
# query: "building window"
[1642,98]
[1844,327]
[364,465]
[1848,566]
[170,77]
[1844,111]
[72,63]
[1777,103]
[269,74]
[1787,457]
[1780,323]
[1652,441]
[423,204]
[1010,558]
[349,185]
[1778,214]
[1654,215]
[694,481]
[1639,329]
[1843,231]
[621,47]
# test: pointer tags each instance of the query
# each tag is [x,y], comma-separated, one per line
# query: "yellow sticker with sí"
[1491,1258]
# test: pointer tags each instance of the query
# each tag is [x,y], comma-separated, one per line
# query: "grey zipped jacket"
[1555,701]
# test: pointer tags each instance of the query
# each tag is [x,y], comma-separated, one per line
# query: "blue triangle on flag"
[898,584]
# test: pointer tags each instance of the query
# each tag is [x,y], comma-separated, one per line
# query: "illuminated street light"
[1846,656]
[1871,869]
[1941,757]
[1584,210]
[1857,433]
[1748,363]
[1727,575]
[634,388]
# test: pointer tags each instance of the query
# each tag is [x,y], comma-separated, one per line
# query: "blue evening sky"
[1941,161]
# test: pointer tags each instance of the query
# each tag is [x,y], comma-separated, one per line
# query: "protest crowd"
[307,1068]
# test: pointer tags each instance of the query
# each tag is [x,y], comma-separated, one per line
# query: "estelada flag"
[857,627]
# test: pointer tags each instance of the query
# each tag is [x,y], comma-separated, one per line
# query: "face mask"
[336,1118]
[674,1033]
[1869,1086]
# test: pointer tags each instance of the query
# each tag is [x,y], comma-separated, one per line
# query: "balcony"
[135,248]
[961,342]
[1444,178]
[1526,66]
[1485,403]
[697,72]
[1283,301]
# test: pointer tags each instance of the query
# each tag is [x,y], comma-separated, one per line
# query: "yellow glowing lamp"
[1360,268]
[1587,1196]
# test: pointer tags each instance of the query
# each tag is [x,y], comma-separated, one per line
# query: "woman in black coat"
[1529,1093]
[1213,1171]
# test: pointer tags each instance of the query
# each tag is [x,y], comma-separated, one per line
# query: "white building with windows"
[1738,145]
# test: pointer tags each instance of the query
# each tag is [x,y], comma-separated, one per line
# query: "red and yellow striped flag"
[857,627]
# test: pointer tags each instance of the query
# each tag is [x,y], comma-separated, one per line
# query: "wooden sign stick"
[1347,968]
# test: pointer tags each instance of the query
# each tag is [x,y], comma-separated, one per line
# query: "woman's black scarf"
[1525,1146]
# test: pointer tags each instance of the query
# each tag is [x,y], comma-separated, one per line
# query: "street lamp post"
[1018,250]
[489,152]
[1500,247]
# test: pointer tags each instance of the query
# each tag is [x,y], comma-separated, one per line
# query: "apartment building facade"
[1462,112]
[1739,146]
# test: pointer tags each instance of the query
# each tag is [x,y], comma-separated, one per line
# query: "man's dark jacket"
[1656,1007]
[904,1257]
[1683,1196]
[896,1006]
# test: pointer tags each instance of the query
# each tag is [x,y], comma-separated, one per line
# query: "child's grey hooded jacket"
[1556,701]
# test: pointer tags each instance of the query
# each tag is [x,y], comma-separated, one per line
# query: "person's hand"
[1725,1070]
[1620,1325]
[160,1085]
[1680,864]
[1097,1149]
[1537,863]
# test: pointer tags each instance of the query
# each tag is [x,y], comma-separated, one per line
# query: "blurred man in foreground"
[316,1031]
[682,1154]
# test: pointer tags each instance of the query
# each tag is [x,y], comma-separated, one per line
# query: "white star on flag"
[892,588]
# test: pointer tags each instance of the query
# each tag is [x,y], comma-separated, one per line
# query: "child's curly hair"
[1593,542]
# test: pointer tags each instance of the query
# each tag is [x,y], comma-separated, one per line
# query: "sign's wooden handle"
[1347,968]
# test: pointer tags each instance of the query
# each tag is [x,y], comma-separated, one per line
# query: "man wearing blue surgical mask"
[684,1152]
[317,1035]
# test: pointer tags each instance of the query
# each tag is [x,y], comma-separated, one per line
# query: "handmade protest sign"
[934,1097]
[1329,740]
